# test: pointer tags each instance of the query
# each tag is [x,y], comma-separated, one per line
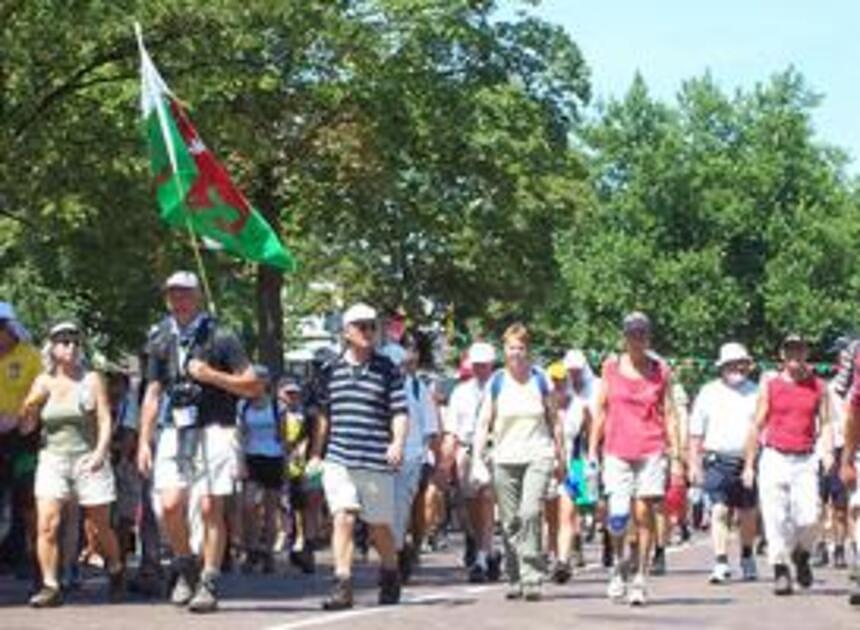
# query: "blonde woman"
[519,412]
[70,405]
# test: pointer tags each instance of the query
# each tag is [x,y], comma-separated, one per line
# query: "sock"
[481,559]
[722,559]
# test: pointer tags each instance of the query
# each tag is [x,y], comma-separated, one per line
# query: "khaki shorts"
[59,477]
[469,489]
[369,492]
[624,480]
[206,457]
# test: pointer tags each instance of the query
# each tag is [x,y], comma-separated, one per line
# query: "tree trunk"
[270,281]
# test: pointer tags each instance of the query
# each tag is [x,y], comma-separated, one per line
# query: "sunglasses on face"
[365,326]
[66,340]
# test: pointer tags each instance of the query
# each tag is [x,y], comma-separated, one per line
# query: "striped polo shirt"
[361,401]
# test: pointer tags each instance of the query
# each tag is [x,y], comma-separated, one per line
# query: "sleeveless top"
[635,427]
[792,412]
[67,424]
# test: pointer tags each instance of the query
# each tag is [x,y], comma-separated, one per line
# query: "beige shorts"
[206,457]
[369,492]
[624,480]
[60,477]
[469,489]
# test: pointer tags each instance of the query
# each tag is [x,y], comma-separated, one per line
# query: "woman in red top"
[636,424]
[790,404]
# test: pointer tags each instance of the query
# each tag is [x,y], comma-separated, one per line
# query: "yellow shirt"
[18,369]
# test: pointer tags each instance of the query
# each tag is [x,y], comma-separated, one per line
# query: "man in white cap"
[20,364]
[463,406]
[200,369]
[723,416]
[361,428]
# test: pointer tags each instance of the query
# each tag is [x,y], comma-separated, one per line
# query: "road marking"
[332,618]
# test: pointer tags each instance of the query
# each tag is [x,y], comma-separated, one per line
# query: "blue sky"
[740,42]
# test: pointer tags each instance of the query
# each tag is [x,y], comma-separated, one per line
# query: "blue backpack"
[537,375]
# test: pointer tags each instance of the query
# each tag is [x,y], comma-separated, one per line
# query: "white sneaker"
[721,573]
[749,569]
[636,595]
[617,586]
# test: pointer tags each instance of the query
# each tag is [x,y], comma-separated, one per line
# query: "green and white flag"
[192,187]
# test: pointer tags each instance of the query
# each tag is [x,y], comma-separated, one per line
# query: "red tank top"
[791,414]
[635,426]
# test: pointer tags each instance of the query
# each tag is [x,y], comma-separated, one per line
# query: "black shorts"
[830,486]
[265,471]
[723,483]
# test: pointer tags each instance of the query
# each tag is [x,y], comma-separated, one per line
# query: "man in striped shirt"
[362,426]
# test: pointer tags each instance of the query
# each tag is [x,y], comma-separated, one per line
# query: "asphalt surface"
[439,598]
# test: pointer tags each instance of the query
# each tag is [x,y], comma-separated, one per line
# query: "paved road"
[439,599]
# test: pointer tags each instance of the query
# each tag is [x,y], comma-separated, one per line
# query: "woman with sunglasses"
[70,404]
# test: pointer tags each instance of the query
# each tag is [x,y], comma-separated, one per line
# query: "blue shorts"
[830,486]
[723,483]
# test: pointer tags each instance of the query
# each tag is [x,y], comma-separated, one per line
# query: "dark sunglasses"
[365,326]
[67,340]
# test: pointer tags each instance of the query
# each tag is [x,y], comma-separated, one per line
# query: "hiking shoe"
[839,561]
[822,556]
[340,597]
[532,592]
[658,565]
[636,594]
[116,588]
[186,581]
[515,591]
[205,598]
[617,588]
[477,573]
[721,573]
[389,587]
[800,559]
[304,560]
[782,584]
[494,566]
[749,571]
[561,572]
[47,597]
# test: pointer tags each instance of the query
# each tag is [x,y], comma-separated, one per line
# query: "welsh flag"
[192,187]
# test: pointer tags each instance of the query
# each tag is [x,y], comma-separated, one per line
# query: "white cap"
[482,352]
[732,351]
[182,280]
[575,360]
[359,313]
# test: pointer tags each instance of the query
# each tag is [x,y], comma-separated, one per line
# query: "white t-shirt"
[423,421]
[573,416]
[723,415]
[837,415]
[463,409]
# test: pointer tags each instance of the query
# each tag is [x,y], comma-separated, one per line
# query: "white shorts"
[369,492]
[469,489]
[59,477]
[624,480]
[206,457]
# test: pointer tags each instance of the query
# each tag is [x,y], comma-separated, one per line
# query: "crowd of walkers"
[203,459]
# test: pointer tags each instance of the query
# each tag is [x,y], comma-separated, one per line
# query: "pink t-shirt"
[635,427]
[791,414]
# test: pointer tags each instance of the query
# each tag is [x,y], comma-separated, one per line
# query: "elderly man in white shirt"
[720,424]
